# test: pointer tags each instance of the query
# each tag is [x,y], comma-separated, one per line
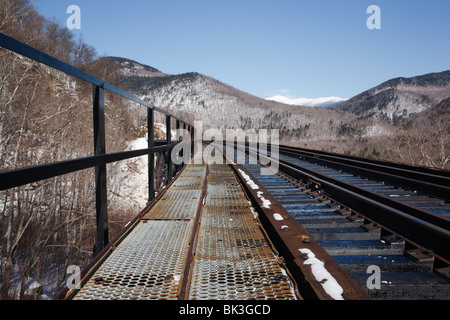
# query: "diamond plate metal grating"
[147,265]
[181,200]
[234,260]
[176,204]
[240,280]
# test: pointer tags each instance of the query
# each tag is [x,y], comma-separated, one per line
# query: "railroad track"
[431,182]
[204,238]
[387,226]
[199,240]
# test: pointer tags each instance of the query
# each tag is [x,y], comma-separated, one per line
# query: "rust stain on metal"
[234,260]
[201,239]
[149,264]
[184,288]
[181,200]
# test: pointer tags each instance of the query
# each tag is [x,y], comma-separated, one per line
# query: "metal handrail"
[39,56]
[19,177]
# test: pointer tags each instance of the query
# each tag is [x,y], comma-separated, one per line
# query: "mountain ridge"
[196,97]
[377,112]
[396,99]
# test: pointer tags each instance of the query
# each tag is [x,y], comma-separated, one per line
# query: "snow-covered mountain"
[399,98]
[131,68]
[326,102]
[197,97]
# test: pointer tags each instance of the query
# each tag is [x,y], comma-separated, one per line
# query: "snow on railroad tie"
[328,282]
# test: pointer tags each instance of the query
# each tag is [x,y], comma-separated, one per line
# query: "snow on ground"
[129,185]
[130,179]
[32,287]
[377,130]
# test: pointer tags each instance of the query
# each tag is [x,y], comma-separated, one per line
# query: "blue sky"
[296,48]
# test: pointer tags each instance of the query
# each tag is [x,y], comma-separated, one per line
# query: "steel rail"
[386,164]
[400,181]
[430,217]
[434,182]
[423,232]
[288,237]
[427,216]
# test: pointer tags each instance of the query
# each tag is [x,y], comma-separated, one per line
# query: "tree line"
[46,116]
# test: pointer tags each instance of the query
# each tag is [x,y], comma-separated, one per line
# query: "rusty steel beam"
[184,292]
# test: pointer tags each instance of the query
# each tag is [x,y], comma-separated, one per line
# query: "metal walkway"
[200,241]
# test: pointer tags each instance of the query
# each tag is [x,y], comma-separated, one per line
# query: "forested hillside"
[361,128]
[197,97]
[397,99]
[46,116]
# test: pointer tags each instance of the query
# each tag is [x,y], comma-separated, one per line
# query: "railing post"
[169,151]
[193,142]
[177,126]
[100,171]
[151,155]
[179,133]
